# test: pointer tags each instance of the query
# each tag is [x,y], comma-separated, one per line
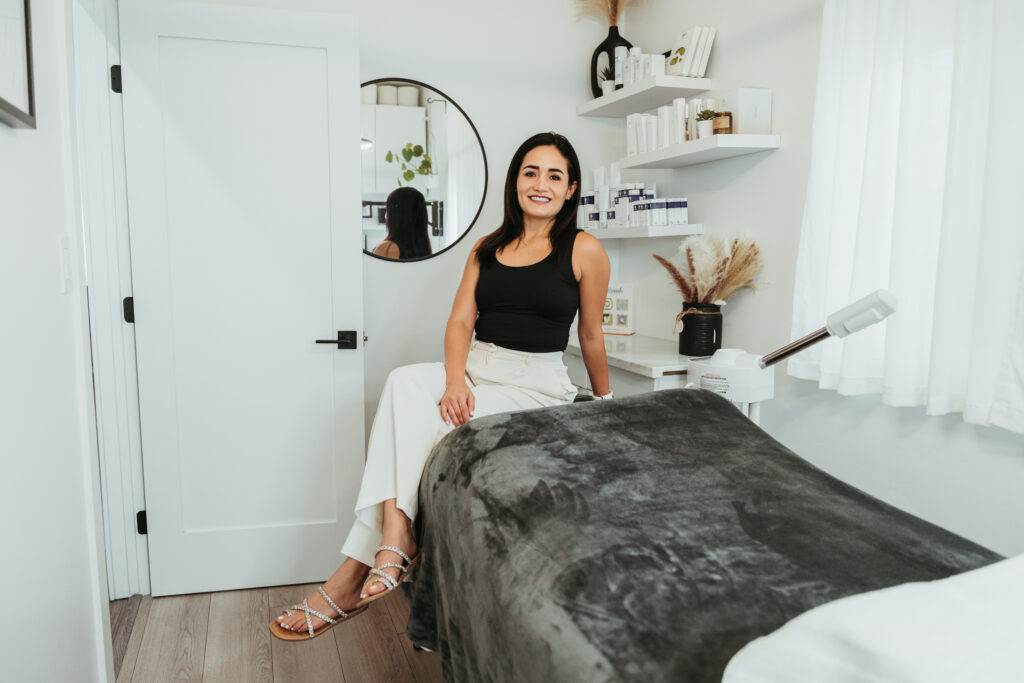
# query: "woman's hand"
[457,404]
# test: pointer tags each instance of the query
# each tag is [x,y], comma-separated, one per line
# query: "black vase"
[607,46]
[702,329]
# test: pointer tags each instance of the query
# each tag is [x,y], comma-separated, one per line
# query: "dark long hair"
[406,219]
[512,226]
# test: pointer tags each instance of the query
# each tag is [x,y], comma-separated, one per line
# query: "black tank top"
[528,308]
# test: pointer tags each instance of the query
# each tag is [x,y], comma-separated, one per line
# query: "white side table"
[636,364]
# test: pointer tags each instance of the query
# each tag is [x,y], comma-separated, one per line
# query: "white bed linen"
[969,627]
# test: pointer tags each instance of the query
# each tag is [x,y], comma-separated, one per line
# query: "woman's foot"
[342,588]
[397,534]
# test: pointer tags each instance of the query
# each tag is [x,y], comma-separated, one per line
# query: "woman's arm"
[590,264]
[457,404]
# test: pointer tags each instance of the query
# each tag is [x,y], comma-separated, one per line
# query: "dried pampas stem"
[609,9]
[714,269]
[745,262]
[685,288]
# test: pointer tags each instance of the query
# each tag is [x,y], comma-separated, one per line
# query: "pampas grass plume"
[714,270]
[609,9]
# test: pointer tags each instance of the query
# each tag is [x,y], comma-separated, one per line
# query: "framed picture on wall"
[618,309]
[17,99]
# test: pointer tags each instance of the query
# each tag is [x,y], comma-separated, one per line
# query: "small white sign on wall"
[618,309]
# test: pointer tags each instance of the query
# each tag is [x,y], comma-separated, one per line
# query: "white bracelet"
[607,396]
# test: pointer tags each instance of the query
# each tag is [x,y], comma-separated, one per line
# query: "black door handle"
[346,339]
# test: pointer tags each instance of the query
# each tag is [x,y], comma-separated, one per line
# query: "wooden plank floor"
[223,638]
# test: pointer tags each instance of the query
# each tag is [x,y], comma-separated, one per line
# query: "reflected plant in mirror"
[417,138]
[409,167]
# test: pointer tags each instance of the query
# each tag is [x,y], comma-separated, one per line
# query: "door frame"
[102,187]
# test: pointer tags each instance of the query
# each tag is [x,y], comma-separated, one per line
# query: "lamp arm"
[862,313]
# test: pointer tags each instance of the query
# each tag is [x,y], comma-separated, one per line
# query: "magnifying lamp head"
[862,313]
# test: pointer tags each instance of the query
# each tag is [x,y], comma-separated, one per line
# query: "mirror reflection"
[424,173]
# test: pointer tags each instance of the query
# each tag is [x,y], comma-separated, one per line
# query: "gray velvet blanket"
[641,539]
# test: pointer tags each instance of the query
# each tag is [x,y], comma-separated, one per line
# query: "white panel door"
[242,150]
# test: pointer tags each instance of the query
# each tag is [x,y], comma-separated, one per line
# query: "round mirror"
[424,170]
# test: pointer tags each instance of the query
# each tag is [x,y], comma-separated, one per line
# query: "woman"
[520,291]
[405,216]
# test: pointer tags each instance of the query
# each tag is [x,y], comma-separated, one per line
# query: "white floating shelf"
[649,231]
[703,150]
[643,96]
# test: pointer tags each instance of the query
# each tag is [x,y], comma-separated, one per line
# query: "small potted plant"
[705,123]
[712,272]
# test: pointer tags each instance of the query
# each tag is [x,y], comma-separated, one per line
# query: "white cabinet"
[390,128]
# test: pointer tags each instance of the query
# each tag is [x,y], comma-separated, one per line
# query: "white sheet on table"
[969,627]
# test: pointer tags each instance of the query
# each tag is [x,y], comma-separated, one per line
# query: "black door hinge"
[115,78]
[129,309]
[140,522]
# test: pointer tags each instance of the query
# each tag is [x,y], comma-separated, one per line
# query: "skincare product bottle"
[636,62]
[657,65]
[621,54]
[666,119]
[632,134]
[679,117]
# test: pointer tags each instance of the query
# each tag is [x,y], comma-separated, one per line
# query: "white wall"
[55,625]
[515,70]
[965,478]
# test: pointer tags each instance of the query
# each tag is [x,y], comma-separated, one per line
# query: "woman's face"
[543,183]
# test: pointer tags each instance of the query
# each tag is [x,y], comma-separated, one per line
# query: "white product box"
[680,129]
[636,63]
[642,211]
[657,65]
[651,128]
[586,207]
[678,213]
[593,219]
[633,134]
[615,173]
[751,109]
[666,118]
[659,212]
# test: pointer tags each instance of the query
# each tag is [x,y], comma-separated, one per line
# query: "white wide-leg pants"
[408,424]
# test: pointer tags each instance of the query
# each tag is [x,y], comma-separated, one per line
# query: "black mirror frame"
[483,153]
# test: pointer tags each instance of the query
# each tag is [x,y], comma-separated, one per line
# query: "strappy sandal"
[331,622]
[390,583]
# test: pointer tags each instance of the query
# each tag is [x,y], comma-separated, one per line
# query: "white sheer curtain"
[916,186]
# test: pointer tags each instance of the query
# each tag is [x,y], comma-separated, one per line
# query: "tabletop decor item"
[713,271]
[705,123]
[612,11]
